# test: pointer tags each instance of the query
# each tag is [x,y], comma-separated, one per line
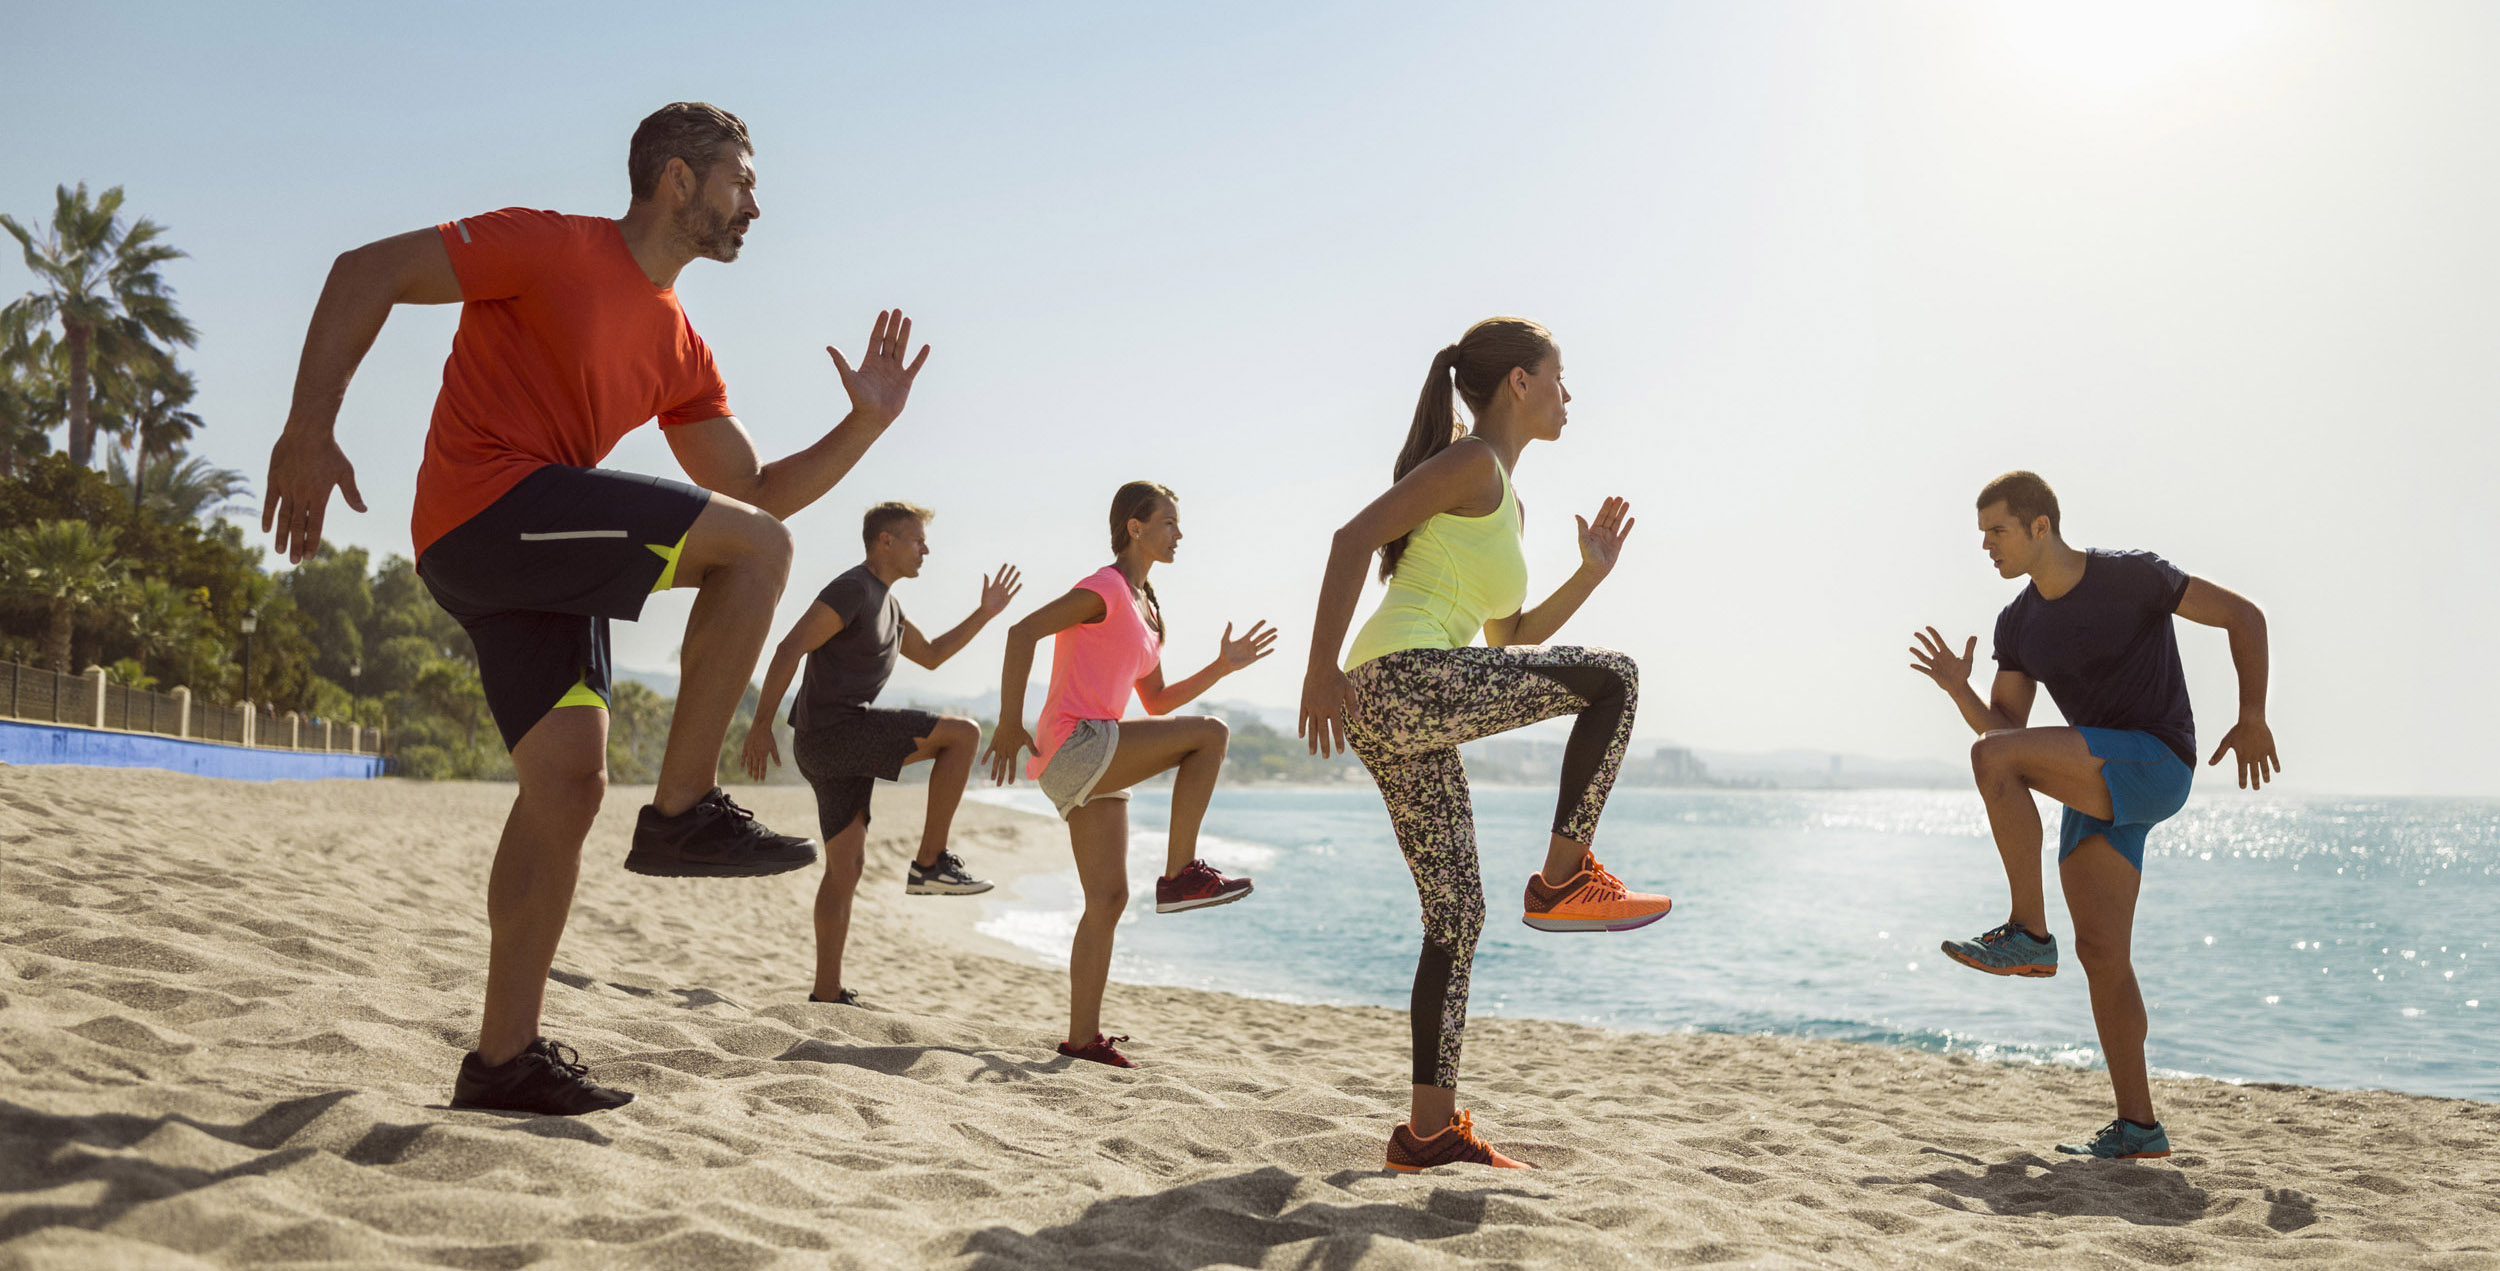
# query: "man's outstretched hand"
[2253,744]
[303,469]
[1934,658]
[880,384]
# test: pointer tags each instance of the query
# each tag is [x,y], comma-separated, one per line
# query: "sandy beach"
[229,1015]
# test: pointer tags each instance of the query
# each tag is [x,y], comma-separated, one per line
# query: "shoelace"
[563,1057]
[1998,936]
[1465,1124]
[721,799]
[1606,885]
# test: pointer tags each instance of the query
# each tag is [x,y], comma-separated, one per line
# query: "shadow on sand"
[2149,1195]
[41,1151]
[1233,1220]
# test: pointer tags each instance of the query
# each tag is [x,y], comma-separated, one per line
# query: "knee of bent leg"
[1992,756]
[1212,733]
[957,733]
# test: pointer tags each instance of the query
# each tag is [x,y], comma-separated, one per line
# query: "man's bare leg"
[562,765]
[2008,765]
[738,559]
[950,745]
[844,855]
[2100,897]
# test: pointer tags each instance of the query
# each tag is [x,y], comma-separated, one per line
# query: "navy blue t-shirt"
[850,669]
[2105,650]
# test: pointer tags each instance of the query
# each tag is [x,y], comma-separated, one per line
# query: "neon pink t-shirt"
[1094,667]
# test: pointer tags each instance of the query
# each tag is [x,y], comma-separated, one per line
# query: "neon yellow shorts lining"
[581,694]
[668,572]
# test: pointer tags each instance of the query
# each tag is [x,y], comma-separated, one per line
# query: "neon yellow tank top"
[1457,572]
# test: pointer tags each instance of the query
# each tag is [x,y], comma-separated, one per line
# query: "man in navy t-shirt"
[844,743]
[2094,626]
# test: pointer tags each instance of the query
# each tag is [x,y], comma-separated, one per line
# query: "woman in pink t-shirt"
[1108,643]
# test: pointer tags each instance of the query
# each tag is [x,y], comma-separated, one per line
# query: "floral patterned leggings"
[1411,711]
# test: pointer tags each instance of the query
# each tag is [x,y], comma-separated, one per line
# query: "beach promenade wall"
[49,717]
[27,743]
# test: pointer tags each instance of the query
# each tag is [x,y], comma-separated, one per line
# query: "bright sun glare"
[2116,47]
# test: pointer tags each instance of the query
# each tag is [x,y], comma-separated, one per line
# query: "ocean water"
[2330,942]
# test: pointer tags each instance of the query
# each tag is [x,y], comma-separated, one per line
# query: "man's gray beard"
[713,238]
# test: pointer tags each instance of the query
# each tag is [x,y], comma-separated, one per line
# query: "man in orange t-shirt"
[571,337]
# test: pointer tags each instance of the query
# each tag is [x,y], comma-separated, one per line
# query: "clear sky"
[2224,272]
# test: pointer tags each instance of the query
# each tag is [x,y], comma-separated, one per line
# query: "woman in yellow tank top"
[1417,685]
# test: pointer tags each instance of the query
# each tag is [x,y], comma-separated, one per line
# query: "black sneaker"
[947,877]
[546,1078]
[713,839]
[841,997]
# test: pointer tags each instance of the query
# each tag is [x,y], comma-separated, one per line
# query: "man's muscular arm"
[405,269]
[2212,606]
[719,455]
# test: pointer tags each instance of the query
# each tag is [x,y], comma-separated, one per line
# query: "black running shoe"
[947,877]
[713,839]
[546,1078]
[841,997]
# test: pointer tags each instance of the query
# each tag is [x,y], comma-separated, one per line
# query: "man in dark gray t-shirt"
[2094,626]
[844,743]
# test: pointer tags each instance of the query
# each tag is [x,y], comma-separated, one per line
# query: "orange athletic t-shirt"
[564,347]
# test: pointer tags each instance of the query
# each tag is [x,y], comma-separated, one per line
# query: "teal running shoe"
[2008,950]
[2123,1140]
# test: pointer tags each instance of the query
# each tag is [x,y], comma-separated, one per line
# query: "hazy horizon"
[2221,271]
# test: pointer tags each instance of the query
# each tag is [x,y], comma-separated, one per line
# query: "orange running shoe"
[1591,900]
[1456,1142]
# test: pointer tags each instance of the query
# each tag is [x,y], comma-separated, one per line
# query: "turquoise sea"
[2330,942]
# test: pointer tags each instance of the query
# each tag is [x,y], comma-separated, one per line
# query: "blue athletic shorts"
[2148,784]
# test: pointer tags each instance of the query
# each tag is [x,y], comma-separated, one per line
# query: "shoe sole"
[945,889]
[2029,971]
[1208,902]
[697,869]
[1543,923]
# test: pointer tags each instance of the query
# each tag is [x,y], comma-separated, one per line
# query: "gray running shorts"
[1079,763]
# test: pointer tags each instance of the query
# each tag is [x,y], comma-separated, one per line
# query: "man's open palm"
[880,384]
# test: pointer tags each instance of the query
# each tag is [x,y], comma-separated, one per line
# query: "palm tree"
[99,281]
[32,399]
[179,492]
[68,568]
[158,424]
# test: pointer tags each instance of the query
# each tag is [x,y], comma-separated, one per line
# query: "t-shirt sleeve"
[847,597]
[707,397]
[1111,594]
[2167,582]
[498,255]
[2008,657]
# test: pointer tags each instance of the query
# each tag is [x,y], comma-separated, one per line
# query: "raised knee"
[957,733]
[1213,734]
[1992,756]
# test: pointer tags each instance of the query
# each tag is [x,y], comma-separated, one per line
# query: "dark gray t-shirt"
[2105,650]
[850,669]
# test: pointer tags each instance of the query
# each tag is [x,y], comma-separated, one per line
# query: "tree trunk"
[56,640]
[81,427]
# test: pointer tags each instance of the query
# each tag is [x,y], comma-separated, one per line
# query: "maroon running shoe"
[1197,886]
[1456,1143]
[1101,1050]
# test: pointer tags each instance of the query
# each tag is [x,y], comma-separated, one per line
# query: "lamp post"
[251,623]
[355,677]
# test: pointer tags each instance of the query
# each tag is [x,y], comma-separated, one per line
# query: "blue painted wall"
[24,743]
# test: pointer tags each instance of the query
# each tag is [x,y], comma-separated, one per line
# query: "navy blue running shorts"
[536,577]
